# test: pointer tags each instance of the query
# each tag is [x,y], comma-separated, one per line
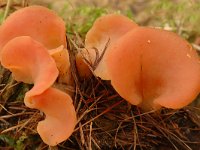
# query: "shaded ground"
[106,121]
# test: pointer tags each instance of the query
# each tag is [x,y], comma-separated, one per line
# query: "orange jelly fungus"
[153,68]
[105,31]
[60,116]
[38,22]
[44,26]
[147,67]
[30,62]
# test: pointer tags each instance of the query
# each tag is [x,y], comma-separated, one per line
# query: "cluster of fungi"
[148,67]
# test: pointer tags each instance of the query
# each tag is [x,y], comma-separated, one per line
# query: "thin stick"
[7,9]
[90,137]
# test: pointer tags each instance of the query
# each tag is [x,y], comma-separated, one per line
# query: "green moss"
[17,144]
[182,16]
[1,15]
[20,142]
[83,17]
[7,140]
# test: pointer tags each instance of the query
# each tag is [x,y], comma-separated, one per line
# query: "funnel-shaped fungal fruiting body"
[61,57]
[30,62]
[105,31]
[60,115]
[38,22]
[44,26]
[153,68]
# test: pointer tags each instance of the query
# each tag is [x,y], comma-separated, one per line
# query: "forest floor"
[105,120]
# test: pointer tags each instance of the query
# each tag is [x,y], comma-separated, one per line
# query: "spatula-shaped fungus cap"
[30,62]
[60,114]
[153,68]
[106,30]
[44,26]
[38,22]
[61,57]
